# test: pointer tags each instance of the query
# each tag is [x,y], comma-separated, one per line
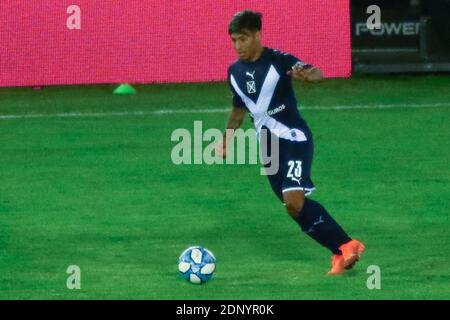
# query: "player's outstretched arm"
[237,116]
[311,74]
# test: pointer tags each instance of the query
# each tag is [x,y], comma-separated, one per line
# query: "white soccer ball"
[196,264]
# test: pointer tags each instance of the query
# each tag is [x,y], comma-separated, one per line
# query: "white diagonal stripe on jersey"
[248,102]
[267,90]
[259,108]
[265,95]
[282,131]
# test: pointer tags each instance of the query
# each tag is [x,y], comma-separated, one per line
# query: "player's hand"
[298,73]
[309,74]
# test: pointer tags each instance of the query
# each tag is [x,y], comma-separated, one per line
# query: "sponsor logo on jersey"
[276,110]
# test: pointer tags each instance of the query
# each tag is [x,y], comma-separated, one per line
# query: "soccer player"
[260,81]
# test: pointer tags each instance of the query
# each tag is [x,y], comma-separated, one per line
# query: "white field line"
[212,110]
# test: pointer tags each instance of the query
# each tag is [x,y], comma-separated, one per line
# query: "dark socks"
[316,222]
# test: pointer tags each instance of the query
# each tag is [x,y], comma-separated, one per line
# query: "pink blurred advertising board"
[145,41]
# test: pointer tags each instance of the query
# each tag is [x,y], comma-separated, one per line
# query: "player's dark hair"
[247,19]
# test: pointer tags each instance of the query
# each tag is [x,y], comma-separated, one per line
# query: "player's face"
[246,44]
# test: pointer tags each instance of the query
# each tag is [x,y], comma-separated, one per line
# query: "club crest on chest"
[251,85]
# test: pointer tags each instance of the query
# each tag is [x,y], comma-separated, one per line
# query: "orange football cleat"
[337,265]
[351,252]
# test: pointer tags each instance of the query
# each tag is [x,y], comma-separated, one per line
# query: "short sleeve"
[237,101]
[289,62]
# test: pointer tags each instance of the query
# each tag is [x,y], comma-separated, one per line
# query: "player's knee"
[294,207]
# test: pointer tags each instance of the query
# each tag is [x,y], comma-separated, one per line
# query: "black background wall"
[414,36]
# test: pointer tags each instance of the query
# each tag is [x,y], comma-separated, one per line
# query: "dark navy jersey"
[265,90]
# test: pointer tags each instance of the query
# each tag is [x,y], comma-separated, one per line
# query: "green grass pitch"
[102,193]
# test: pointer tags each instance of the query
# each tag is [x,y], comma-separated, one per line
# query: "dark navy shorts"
[294,170]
